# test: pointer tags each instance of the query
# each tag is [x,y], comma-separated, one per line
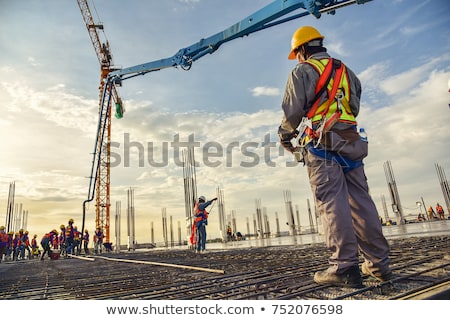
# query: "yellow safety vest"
[330,107]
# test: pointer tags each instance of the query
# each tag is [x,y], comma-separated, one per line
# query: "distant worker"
[200,223]
[34,247]
[431,213]
[86,242]
[440,212]
[20,246]
[76,241]
[98,240]
[323,95]
[26,243]
[62,240]
[46,240]
[70,237]
[3,242]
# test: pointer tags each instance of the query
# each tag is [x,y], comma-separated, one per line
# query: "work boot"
[351,278]
[376,275]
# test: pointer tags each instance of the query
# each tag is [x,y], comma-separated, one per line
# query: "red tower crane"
[102,189]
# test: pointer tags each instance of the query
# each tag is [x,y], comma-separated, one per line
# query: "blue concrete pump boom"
[262,19]
[271,15]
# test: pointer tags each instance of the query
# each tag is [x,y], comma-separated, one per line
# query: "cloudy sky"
[229,101]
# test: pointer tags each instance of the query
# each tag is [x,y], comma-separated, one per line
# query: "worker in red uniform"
[440,212]
[3,242]
[200,222]
[34,246]
[46,240]
[320,105]
[26,244]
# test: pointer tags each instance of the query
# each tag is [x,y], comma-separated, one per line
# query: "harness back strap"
[323,82]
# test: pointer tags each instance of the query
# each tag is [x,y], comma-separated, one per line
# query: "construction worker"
[70,241]
[98,240]
[34,247]
[9,247]
[320,105]
[46,240]
[3,242]
[76,240]
[431,213]
[26,243]
[201,221]
[62,240]
[440,211]
[86,241]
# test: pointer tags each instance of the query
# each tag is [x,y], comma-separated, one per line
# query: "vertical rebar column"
[299,225]
[266,222]
[311,221]
[222,216]
[10,207]
[233,221]
[277,222]
[443,182]
[386,213]
[289,212]
[260,227]
[172,241]
[392,185]
[255,227]
[25,220]
[117,226]
[131,220]
[248,226]
[17,216]
[164,227]
[190,187]
[152,233]
[179,233]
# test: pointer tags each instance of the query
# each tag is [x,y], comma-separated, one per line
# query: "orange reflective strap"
[322,83]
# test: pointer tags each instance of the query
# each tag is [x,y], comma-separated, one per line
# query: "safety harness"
[321,117]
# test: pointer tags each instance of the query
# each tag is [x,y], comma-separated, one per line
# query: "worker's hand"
[214,199]
[287,145]
[286,141]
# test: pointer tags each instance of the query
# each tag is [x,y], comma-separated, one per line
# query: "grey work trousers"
[348,214]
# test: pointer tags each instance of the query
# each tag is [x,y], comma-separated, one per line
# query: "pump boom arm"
[262,19]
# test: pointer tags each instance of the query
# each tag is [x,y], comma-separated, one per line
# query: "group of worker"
[15,245]
[67,241]
[439,214]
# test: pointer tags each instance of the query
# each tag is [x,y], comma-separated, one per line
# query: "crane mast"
[103,174]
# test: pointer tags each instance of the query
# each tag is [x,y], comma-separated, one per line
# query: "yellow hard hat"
[302,36]
[70,220]
[62,226]
[2,228]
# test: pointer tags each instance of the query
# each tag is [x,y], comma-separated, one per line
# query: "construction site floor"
[421,267]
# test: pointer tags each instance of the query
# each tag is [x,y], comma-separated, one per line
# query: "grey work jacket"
[300,91]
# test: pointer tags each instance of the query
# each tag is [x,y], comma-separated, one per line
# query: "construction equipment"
[102,176]
[271,15]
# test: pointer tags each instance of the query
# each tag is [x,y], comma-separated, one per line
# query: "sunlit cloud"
[265,91]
